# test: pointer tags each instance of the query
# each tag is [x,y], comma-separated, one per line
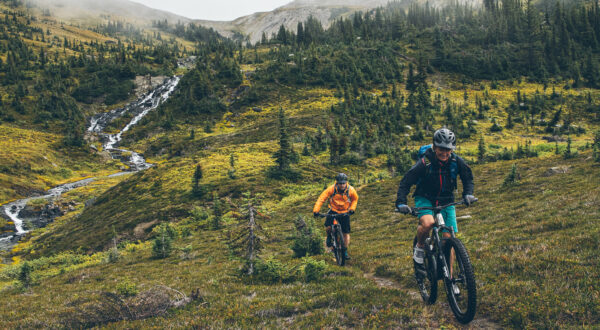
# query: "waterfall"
[141,107]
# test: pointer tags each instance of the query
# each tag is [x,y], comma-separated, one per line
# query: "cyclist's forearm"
[466,176]
[322,199]
[410,178]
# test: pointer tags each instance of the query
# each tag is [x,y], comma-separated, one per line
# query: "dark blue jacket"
[435,180]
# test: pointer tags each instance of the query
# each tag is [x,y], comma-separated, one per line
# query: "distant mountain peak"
[326,11]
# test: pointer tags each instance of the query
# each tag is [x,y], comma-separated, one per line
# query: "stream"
[23,218]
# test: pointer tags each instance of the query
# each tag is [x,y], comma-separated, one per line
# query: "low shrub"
[127,289]
[307,240]
[313,269]
[271,271]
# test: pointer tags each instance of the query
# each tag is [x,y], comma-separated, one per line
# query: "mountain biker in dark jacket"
[435,176]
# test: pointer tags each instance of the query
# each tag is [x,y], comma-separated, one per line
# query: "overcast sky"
[214,10]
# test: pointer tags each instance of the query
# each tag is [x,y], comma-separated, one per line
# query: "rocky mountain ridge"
[251,27]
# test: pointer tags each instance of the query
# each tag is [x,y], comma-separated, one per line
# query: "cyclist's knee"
[426,221]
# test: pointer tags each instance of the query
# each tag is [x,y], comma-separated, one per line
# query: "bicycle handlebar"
[415,210]
[324,215]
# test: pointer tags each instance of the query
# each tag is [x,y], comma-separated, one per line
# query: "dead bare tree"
[246,241]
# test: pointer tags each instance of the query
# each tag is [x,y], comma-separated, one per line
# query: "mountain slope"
[91,12]
[289,16]
[325,11]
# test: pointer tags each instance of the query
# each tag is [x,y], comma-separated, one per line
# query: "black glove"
[404,209]
[351,212]
[315,214]
[469,199]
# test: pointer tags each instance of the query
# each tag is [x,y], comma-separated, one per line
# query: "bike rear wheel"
[339,248]
[461,288]
[427,283]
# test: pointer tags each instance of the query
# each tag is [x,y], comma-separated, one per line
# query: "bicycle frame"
[438,225]
[335,228]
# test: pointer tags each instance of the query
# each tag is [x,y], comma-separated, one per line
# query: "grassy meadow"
[533,243]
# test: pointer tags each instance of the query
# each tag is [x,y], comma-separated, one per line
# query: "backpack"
[345,193]
[453,162]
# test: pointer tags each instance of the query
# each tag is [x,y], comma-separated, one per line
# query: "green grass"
[533,245]
[32,161]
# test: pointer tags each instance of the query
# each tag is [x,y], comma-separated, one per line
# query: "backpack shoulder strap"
[345,192]
[453,166]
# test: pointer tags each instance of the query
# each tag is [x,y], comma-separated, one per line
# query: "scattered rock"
[37,217]
[140,230]
[187,62]
[257,109]
[556,170]
[147,83]
[90,202]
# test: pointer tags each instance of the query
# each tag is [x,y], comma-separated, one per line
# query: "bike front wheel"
[427,282]
[461,288]
[340,257]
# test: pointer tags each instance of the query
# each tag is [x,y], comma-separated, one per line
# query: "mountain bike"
[338,244]
[439,264]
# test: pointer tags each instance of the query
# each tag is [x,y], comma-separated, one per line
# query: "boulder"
[556,170]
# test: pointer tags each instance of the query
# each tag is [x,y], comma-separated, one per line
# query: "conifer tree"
[197,189]
[285,156]
[481,150]
[232,169]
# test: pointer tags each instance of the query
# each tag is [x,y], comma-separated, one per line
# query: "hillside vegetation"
[52,77]
[256,132]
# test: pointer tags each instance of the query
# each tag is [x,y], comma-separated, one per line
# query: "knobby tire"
[428,286]
[465,279]
[339,248]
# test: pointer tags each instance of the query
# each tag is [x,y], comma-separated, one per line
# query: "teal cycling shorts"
[448,213]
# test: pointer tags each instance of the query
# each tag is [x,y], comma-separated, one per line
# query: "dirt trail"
[477,323]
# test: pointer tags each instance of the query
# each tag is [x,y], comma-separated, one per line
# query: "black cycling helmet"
[444,138]
[341,178]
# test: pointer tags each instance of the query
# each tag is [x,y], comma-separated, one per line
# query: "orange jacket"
[339,202]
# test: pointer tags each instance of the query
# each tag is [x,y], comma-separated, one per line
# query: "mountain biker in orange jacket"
[342,199]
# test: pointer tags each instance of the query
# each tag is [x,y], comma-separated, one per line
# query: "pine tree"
[25,274]
[410,80]
[285,156]
[162,246]
[568,154]
[197,189]
[232,169]
[300,33]
[481,150]
[513,177]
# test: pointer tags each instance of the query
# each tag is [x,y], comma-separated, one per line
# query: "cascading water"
[98,123]
[140,108]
